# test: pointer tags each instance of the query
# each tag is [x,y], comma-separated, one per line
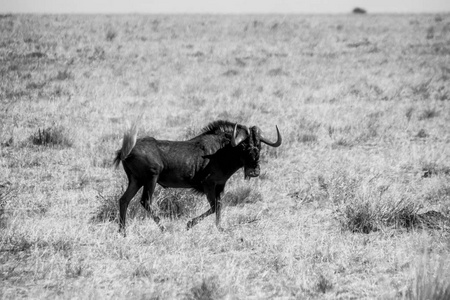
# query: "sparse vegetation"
[51,136]
[344,209]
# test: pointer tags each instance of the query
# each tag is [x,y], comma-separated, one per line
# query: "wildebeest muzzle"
[251,172]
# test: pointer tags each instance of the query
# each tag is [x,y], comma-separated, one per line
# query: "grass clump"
[64,75]
[51,136]
[15,242]
[409,113]
[422,134]
[428,113]
[167,203]
[369,215]
[108,208]
[403,213]
[111,34]
[430,169]
[175,203]
[359,217]
[209,289]
[422,90]
[307,138]
[323,285]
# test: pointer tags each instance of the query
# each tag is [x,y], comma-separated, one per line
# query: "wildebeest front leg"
[218,204]
[146,200]
[211,195]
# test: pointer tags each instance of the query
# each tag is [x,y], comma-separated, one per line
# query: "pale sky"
[222,6]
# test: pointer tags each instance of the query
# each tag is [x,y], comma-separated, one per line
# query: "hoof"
[122,232]
[189,225]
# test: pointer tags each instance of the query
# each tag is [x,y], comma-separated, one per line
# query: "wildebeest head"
[250,142]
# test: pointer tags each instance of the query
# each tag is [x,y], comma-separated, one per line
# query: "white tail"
[129,141]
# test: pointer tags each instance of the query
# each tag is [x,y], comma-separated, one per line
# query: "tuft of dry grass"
[51,136]
[208,289]
[428,114]
[111,34]
[431,281]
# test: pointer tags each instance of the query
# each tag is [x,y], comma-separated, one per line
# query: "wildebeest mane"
[217,127]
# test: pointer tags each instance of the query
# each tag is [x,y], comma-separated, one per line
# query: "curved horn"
[236,140]
[277,143]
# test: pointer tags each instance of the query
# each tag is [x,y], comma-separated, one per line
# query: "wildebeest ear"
[239,135]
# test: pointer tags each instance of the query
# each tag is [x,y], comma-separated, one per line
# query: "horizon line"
[5,13]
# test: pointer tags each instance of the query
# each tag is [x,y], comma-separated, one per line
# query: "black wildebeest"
[203,163]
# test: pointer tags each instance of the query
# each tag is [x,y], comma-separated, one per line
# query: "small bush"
[51,136]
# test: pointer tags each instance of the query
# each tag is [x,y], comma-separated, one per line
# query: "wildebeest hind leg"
[132,189]
[146,200]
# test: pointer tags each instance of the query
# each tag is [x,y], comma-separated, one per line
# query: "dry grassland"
[353,205]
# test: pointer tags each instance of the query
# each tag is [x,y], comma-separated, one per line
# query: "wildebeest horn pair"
[243,134]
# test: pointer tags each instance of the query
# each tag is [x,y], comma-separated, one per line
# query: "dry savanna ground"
[353,205]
